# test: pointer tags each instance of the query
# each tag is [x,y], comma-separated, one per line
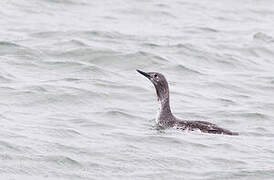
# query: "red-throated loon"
[166,119]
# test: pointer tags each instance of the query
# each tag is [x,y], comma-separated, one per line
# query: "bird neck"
[164,103]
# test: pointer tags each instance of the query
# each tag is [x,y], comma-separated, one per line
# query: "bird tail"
[227,132]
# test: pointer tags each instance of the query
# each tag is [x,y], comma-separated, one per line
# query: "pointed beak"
[143,73]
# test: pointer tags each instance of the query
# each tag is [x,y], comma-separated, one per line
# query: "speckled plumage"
[166,119]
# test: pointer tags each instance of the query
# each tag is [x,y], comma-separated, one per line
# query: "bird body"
[166,119]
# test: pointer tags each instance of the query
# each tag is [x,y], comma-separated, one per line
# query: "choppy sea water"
[72,105]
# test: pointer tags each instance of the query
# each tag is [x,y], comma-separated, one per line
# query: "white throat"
[158,113]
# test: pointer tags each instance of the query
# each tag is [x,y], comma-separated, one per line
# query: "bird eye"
[155,76]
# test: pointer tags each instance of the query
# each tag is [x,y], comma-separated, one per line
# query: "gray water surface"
[72,105]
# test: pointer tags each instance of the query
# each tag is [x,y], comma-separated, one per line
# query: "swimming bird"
[166,119]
